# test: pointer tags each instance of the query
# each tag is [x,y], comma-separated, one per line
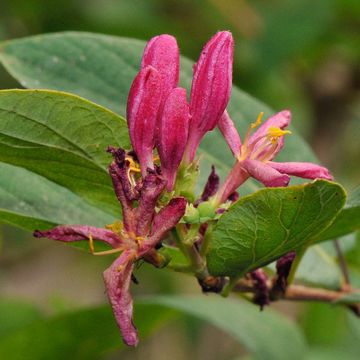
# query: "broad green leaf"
[318,267]
[85,334]
[15,315]
[101,68]
[266,335]
[76,335]
[63,138]
[33,202]
[347,221]
[262,227]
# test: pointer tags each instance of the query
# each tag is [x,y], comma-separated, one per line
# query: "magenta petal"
[144,100]
[70,233]
[153,186]
[174,126]
[211,186]
[231,135]
[211,87]
[302,169]
[162,53]
[117,281]
[280,120]
[265,173]
[164,221]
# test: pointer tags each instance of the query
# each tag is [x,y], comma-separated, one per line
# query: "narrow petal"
[211,186]
[237,176]
[280,120]
[70,233]
[265,173]
[174,126]
[231,135]
[153,186]
[144,100]
[117,281]
[211,87]
[302,169]
[165,220]
[162,53]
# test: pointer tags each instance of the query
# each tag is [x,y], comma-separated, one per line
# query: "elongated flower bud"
[142,108]
[174,125]
[162,53]
[211,87]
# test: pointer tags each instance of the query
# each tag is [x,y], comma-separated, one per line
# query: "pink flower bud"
[162,53]
[211,87]
[173,134]
[142,107]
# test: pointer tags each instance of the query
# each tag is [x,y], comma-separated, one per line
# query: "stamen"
[133,165]
[107,252]
[116,227]
[91,244]
[274,133]
[252,126]
[258,121]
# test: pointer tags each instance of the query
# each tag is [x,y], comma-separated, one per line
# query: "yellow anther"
[116,227]
[156,158]
[258,121]
[274,133]
[91,244]
[133,165]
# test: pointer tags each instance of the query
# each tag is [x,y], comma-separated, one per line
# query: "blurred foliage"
[299,54]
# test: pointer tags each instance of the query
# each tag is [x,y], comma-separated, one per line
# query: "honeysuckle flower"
[135,237]
[255,154]
[143,104]
[173,134]
[162,53]
[210,90]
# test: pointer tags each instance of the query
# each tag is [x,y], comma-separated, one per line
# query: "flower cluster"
[151,188]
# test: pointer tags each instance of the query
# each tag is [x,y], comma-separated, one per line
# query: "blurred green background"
[297,54]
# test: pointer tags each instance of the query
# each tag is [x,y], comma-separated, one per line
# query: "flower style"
[254,156]
[136,237]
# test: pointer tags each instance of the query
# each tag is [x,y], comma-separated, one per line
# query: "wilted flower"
[254,155]
[136,237]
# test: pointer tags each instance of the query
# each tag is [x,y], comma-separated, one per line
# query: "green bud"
[191,215]
[207,211]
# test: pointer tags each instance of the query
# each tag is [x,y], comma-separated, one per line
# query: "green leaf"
[262,227]
[15,315]
[347,221]
[61,138]
[267,335]
[101,68]
[33,202]
[84,334]
[75,334]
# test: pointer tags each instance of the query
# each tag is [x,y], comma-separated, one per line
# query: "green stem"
[206,241]
[295,264]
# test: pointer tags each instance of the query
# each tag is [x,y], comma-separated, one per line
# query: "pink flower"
[254,156]
[136,237]
[210,90]
[173,134]
[159,74]
[144,101]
